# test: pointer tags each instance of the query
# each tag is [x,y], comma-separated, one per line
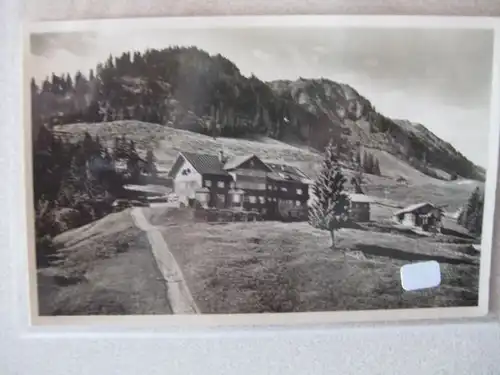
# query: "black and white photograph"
[254,170]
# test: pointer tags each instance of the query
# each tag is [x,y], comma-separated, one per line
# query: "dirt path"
[180,297]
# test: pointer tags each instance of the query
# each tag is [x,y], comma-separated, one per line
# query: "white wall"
[185,186]
[461,348]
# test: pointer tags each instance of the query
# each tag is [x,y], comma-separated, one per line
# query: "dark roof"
[210,164]
[284,172]
[205,164]
[287,169]
[236,161]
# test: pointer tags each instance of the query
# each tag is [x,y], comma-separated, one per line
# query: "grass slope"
[105,267]
[277,267]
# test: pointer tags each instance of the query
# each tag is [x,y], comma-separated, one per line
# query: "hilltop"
[190,90]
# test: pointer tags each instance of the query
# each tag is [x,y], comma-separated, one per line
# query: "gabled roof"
[288,172]
[236,161]
[413,207]
[204,163]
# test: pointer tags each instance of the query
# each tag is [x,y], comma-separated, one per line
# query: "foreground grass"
[275,267]
[105,267]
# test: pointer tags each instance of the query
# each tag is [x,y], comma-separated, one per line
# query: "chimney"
[221,157]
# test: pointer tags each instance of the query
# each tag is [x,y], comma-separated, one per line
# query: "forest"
[77,182]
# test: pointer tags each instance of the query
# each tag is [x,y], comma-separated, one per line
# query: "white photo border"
[34,324]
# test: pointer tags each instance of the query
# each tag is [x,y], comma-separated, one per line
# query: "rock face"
[186,88]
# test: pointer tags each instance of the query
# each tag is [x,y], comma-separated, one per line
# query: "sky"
[439,78]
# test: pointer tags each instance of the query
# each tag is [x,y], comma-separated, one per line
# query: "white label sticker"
[421,275]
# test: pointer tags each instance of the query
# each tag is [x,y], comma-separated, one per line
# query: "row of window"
[250,185]
[253,199]
[220,184]
[283,188]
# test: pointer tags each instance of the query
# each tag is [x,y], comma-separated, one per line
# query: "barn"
[423,215]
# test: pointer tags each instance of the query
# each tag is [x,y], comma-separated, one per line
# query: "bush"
[45,250]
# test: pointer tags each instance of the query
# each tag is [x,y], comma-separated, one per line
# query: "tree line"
[183,86]
[77,182]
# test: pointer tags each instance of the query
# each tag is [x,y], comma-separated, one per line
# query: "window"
[284,188]
[262,200]
[269,187]
[208,183]
[298,203]
[221,198]
[261,186]
[236,198]
[252,199]
[299,191]
[221,184]
[231,185]
[186,171]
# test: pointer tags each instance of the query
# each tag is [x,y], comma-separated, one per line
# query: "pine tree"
[78,78]
[358,156]
[34,87]
[376,167]
[471,216]
[69,83]
[365,162]
[330,207]
[368,163]
[46,85]
[150,163]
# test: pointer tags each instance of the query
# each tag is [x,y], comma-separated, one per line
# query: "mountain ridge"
[186,88]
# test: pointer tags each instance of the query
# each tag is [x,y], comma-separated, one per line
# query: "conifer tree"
[150,163]
[330,207]
[471,216]
[358,156]
[376,167]
[366,162]
[69,83]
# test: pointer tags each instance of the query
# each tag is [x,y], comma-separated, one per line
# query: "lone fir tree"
[330,207]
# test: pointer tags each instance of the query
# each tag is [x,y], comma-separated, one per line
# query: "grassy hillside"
[105,267]
[168,142]
[277,267]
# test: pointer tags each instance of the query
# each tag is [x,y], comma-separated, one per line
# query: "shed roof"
[360,198]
